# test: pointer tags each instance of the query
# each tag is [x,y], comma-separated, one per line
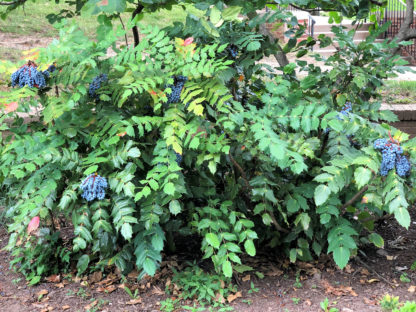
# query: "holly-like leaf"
[341,256]
[213,240]
[174,207]
[322,193]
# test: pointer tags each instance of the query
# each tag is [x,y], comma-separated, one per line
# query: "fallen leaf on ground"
[338,291]
[373,280]
[42,292]
[110,288]
[157,291]
[368,301]
[134,301]
[412,289]
[65,307]
[364,271]
[60,285]
[53,278]
[96,277]
[274,272]
[91,305]
[391,258]
[232,297]
[246,278]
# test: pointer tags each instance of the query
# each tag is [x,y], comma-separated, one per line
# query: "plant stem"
[248,186]
[137,11]
[125,33]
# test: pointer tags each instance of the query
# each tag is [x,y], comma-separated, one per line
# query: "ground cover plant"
[185,134]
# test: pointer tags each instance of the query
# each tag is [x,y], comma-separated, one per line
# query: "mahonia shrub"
[192,136]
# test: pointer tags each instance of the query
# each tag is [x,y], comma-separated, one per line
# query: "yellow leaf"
[177,148]
[198,110]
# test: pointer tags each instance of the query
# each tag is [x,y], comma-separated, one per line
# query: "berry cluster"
[345,110]
[178,158]
[50,70]
[175,95]
[28,75]
[94,187]
[233,50]
[392,156]
[96,84]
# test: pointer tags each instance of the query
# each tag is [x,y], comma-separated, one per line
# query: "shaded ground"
[285,287]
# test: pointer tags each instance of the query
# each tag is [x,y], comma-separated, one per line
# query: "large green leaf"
[321,195]
[402,216]
[213,240]
[341,256]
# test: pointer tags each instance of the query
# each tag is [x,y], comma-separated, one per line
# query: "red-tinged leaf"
[103,3]
[33,224]
[10,107]
[188,41]
[122,134]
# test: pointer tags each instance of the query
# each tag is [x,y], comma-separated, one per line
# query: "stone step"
[359,35]
[318,27]
[333,47]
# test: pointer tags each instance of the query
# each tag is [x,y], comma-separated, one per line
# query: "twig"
[355,197]
[125,33]
[374,271]
[248,186]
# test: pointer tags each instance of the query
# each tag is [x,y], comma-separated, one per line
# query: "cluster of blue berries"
[178,84]
[345,110]
[94,187]
[96,84]
[28,75]
[392,156]
[233,50]
[50,70]
[178,158]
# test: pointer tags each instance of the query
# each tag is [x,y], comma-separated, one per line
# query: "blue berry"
[96,84]
[178,84]
[28,75]
[233,50]
[345,110]
[94,187]
[178,158]
[403,166]
[392,157]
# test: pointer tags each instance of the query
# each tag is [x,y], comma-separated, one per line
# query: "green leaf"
[126,231]
[231,13]
[253,46]
[91,169]
[227,268]
[82,264]
[336,125]
[376,239]
[212,239]
[322,193]
[249,247]
[341,256]
[215,15]
[174,207]
[134,152]
[292,255]
[169,188]
[402,216]
[362,176]
[149,266]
